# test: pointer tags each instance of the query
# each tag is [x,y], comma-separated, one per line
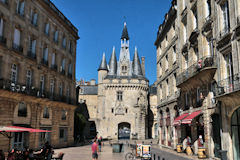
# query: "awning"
[177,121]
[20,129]
[188,119]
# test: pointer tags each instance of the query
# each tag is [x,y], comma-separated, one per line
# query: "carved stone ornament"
[119,110]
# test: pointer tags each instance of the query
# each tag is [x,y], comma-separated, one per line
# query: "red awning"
[188,119]
[177,121]
[21,129]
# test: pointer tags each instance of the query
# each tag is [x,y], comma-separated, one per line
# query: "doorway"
[235,125]
[124,130]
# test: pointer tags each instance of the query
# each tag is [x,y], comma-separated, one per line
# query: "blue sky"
[100,24]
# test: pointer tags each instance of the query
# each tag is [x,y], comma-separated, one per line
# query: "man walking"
[99,143]
[95,150]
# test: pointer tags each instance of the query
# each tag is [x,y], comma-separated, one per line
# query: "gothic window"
[22,110]
[124,69]
[14,73]
[45,112]
[119,95]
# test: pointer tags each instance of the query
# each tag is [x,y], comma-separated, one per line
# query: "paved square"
[84,153]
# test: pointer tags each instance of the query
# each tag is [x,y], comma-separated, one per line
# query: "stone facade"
[37,68]
[207,55]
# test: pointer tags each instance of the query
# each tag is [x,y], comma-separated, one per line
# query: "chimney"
[143,65]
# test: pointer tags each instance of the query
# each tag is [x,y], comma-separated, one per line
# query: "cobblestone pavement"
[84,153]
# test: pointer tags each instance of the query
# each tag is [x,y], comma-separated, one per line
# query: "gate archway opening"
[124,130]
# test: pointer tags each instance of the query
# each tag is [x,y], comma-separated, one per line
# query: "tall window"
[62,69]
[119,95]
[68,93]
[195,18]
[52,87]
[167,88]
[34,17]
[56,36]
[46,29]
[53,59]
[160,69]
[1,28]
[45,112]
[174,82]
[70,46]
[229,67]
[64,42]
[42,84]
[45,55]
[14,73]
[20,7]
[186,100]
[160,92]
[29,79]
[186,61]
[174,54]
[225,17]
[70,69]
[184,30]
[22,110]
[166,63]
[17,37]
[60,89]
[32,46]
[208,8]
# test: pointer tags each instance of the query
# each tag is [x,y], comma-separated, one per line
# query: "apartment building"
[207,51]
[37,73]
[167,68]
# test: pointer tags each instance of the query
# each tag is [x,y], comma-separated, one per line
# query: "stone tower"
[122,95]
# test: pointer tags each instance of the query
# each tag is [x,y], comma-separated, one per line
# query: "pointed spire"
[137,70]
[125,32]
[113,63]
[103,64]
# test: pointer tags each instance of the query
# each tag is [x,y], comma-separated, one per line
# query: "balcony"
[33,91]
[18,48]
[228,86]
[54,67]
[201,72]
[44,62]
[31,55]
[3,40]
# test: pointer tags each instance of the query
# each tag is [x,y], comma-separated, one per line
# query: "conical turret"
[103,64]
[125,32]
[137,70]
[113,63]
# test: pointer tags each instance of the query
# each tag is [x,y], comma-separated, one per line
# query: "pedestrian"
[100,143]
[95,150]
[189,141]
[200,141]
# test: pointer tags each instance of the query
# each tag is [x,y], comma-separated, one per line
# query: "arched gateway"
[124,130]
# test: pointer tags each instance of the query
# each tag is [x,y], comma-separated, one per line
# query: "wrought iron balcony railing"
[228,85]
[17,47]
[33,91]
[31,55]
[204,62]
